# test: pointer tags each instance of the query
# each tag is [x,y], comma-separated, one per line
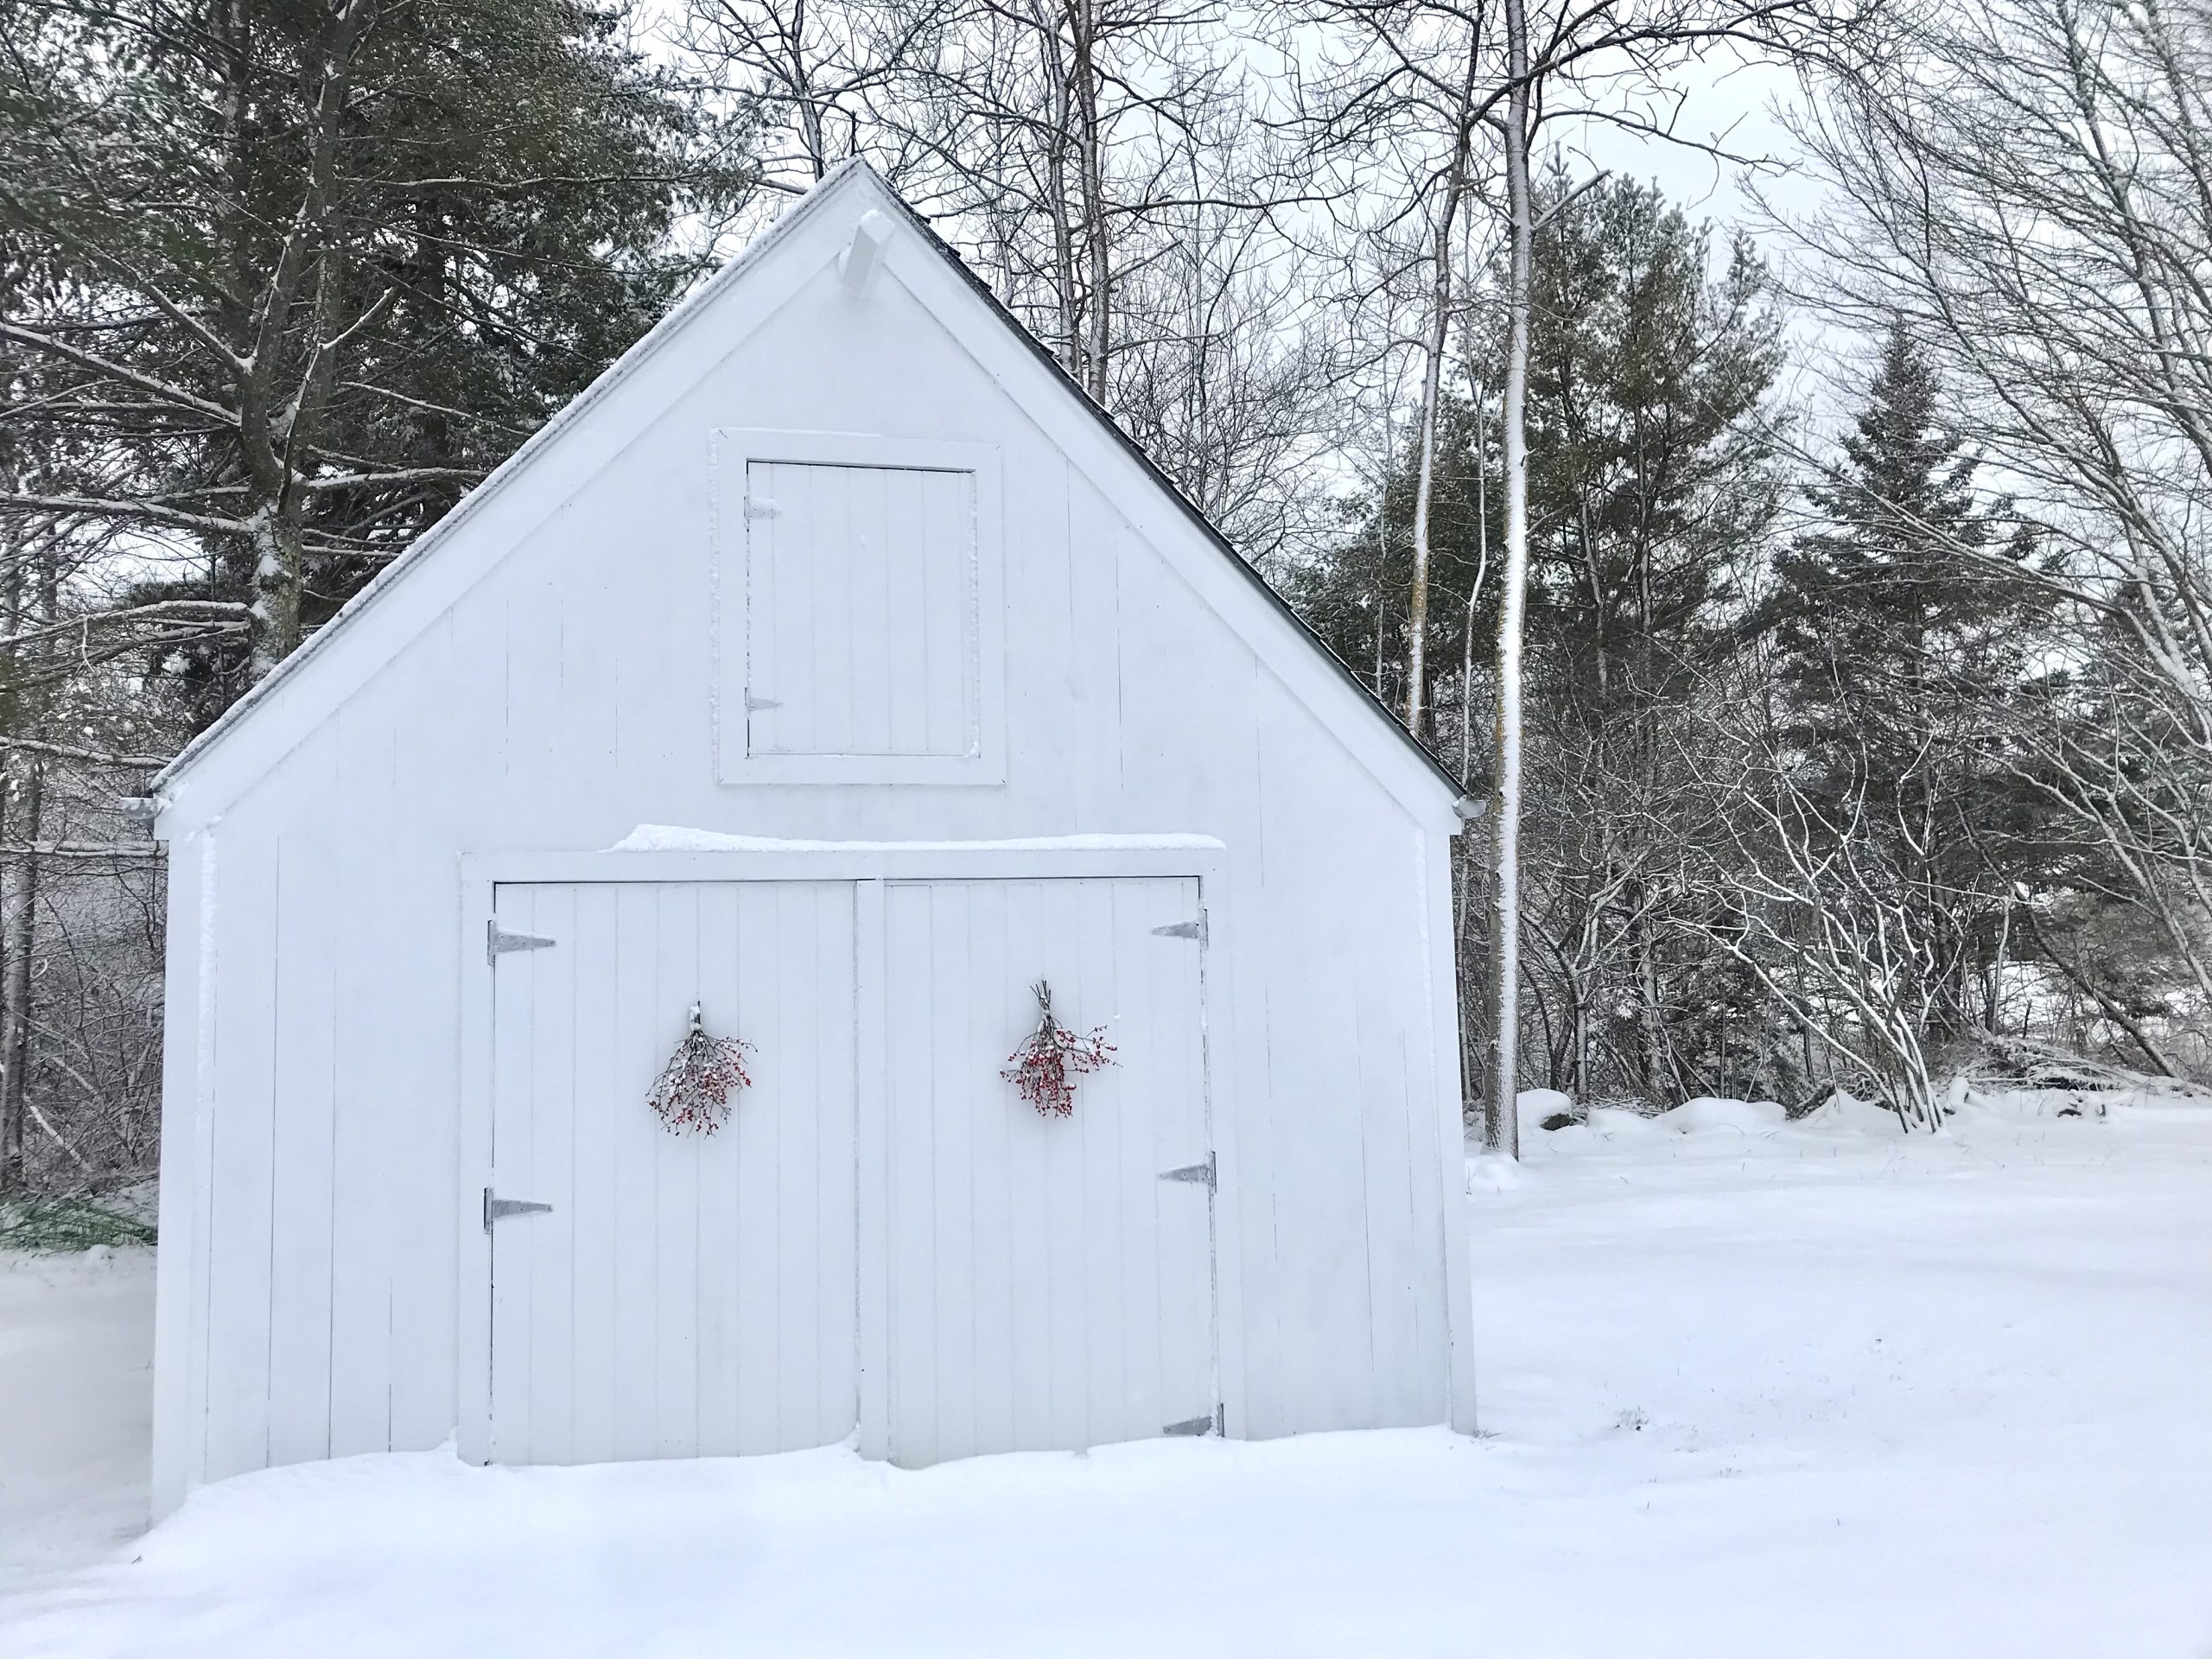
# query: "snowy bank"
[1813,1391]
[76,1408]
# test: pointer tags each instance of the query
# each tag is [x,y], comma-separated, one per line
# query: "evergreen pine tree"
[1905,649]
[307,272]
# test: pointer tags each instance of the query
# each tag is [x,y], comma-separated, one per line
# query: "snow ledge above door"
[672,838]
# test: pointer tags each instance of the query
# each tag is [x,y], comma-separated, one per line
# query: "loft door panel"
[1047,1287]
[684,1295]
[861,637]
[858,610]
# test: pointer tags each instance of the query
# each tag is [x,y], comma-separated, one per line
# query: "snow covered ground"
[76,1410]
[1751,1392]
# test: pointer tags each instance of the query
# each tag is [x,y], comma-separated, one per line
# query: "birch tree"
[1098,164]
[1398,98]
[1502,1118]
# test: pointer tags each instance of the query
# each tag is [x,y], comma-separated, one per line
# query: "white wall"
[309,1264]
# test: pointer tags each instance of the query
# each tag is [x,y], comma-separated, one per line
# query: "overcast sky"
[1724,103]
[1739,107]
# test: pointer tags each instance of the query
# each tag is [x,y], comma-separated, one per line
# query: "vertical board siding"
[371,1044]
[1046,1287]
[1364,1333]
[640,1045]
[547,1066]
[239,1239]
[594,1205]
[861,629]
[688,1294]
[180,1325]
[725,985]
[303,1143]
[1322,1245]
[676,1185]
[1440,1183]
[1183,1326]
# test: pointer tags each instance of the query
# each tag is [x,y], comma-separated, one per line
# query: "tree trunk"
[1424,479]
[1474,595]
[11,1100]
[1056,190]
[1093,162]
[275,612]
[1501,1122]
[19,918]
[1440,327]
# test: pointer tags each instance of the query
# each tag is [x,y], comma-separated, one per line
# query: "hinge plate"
[1210,1425]
[498,1209]
[1194,929]
[761,507]
[1202,1174]
[497,942]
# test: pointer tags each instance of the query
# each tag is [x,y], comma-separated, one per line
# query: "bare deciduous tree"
[2029,184]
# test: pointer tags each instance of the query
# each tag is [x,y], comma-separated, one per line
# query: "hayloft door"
[1050,1278]
[678,1294]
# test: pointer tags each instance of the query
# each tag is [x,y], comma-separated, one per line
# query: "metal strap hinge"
[1198,1172]
[1198,1425]
[497,942]
[761,507]
[498,1209]
[754,705]
[1191,930]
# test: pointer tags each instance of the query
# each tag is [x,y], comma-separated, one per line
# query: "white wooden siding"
[1047,1288]
[688,1294]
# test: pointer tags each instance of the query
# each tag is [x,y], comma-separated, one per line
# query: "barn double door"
[897,1244]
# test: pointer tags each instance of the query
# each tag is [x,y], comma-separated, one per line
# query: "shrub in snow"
[66,1224]
[1546,1109]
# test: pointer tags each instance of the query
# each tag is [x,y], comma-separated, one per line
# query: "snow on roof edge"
[675,838]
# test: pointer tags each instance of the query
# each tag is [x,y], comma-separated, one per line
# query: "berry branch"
[1050,1059]
[692,1094]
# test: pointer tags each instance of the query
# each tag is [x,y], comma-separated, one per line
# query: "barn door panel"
[683,1295]
[1049,1279]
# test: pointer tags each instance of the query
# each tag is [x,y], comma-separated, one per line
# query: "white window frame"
[735,450]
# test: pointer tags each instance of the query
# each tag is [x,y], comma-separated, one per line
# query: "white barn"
[951,692]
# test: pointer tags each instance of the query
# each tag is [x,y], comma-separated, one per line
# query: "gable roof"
[288,673]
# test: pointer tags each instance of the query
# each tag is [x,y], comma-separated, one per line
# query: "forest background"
[1824,593]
